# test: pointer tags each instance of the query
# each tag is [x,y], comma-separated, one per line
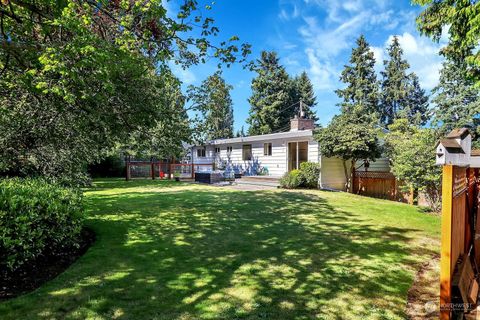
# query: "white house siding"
[276,164]
[379,165]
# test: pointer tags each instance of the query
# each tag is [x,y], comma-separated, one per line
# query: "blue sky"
[316,36]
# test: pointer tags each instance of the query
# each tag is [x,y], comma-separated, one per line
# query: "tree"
[212,99]
[394,84]
[416,109]
[353,135]
[411,150]
[240,133]
[303,91]
[361,95]
[460,18]
[457,101]
[77,77]
[350,140]
[167,137]
[271,101]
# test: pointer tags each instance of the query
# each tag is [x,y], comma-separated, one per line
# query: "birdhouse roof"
[450,144]
[458,133]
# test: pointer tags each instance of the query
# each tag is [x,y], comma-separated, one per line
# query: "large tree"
[361,94]
[460,18]
[79,76]
[394,84]
[401,93]
[212,99]
[353,134]
[303,91]
[457,100]
[272,103]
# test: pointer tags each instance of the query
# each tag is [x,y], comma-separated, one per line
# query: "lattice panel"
[374,175]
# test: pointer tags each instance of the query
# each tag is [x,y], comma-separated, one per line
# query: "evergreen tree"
[303,91]
[457,101]
[395,84]
[361,93]
[212,98]
[240,133]
[353,134]
[416,110]
[271,102]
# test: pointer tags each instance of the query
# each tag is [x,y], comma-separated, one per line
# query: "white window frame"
[267,149]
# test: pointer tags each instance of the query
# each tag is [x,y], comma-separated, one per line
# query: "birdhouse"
[455,148]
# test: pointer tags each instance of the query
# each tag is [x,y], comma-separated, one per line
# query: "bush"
[292,180]
[36,218]
[310,172]
[111,167]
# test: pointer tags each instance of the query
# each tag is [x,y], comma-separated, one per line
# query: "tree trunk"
[352,172]
[346,173]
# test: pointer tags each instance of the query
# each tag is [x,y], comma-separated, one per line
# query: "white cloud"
[185,75]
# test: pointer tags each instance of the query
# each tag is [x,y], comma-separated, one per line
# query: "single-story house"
[277,153]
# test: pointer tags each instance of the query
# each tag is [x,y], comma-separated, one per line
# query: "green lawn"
[169,250]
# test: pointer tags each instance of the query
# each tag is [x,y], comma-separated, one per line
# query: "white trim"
[271,136]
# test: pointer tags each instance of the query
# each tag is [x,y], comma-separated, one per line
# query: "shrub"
[36,218]
[292,180]
[310,172]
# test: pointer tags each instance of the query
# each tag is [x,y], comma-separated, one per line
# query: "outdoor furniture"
[209,177]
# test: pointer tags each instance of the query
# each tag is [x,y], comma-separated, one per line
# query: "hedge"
[37,218]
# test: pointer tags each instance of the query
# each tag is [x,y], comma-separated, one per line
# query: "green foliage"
[272,103]
[110,166]
[412,152]
[212,99]
[352,135]
[303,91]
[36,218]
[361,94]
[310,172]
[461,20]
[457,101]
[78,77]
[292,180]
[170,127]
[401,94]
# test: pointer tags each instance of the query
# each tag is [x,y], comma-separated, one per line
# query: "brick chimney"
[297,124]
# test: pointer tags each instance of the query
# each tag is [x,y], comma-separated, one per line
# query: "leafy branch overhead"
[79,77]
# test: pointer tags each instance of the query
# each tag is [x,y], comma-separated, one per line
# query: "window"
[201,153]
[267,149]
[217,150]
[229,149]
[247,152]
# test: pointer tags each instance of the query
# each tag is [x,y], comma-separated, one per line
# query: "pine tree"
[353,134]
[271,102]
[240,133]
[303,91]
[361,93]
[416,105]
[457,101]
[395,84]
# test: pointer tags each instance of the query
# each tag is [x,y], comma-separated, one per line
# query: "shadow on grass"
[207,253]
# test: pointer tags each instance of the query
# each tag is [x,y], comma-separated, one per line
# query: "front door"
[297,153]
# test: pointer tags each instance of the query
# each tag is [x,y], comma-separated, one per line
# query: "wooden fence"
[377,184]
[460,244]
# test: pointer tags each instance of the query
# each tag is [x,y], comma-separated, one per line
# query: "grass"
[169,250]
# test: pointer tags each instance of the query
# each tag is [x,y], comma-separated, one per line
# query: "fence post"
[193,171]
[127,166]
[446,245]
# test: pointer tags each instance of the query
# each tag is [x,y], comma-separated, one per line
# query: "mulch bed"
[45,268]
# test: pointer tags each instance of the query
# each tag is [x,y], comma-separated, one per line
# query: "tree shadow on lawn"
[191,254]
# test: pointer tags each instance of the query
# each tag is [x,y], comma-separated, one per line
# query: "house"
[275,154]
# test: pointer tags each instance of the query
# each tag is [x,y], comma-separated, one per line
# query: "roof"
[271,136]
[450,144]
[475,153]
[458,133]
